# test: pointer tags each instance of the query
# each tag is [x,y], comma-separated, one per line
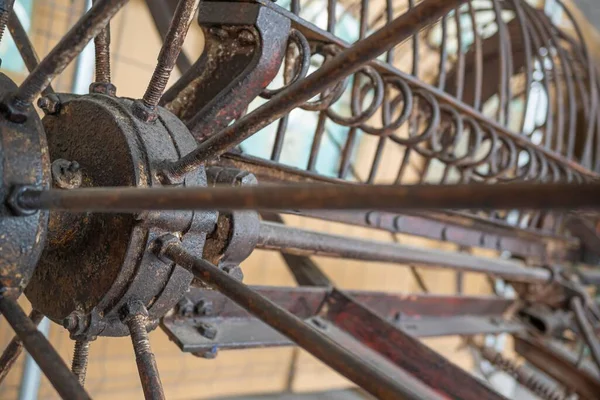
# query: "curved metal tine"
[329,74]
[25,47]
[162,12]
[15,347]
[36,344]
[586,329]
[65,51]
[330,352]
[178,29]
[316,196]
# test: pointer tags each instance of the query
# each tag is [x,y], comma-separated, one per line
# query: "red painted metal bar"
[403,350]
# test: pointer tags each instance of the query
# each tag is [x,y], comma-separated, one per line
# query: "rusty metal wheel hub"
[23,161]
[95,263]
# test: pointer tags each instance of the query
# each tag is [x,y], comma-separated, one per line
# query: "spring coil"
[521,375]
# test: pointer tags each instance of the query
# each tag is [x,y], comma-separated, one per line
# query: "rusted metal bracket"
[364,323]
[244,47]
[418,315]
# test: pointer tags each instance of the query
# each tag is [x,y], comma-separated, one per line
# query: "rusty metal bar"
[25,47]
[136,318]
[417,314]
[162,12]
[41,350]
[316,196]
[298,241]
[329,74]
[6,7]
[15,347]
[65,51]
[366,375]
[102,50]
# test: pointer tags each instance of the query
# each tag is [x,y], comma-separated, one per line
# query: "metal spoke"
[25,47]
[61,55]
[329,74]
[102,82]
[15,347]
[80,360]
[298,241]
[136,318]
[162,14]
[180,24]
[330,352]
[41,350]
[5,11]
[316,196]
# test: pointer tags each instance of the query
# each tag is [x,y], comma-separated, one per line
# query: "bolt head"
[185,307]
[207,330]
[74,322]
[204,308]
[103,88]
[143,113]
[66,174]
[133,308]
[49,104]
[12,111]
[161,243]
[208,354]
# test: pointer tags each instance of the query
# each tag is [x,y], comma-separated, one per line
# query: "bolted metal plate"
[94,263]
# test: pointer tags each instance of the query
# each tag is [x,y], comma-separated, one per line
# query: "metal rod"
[162,12]
[348,364]
[80,359]
[329,74]
[31,377]
[178,29]
[15,347]
[585,328]
[65,51]
[136,319]
[41,350]
[25,47]
[317,196]
[6,7]
[298,241]
[102,48]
